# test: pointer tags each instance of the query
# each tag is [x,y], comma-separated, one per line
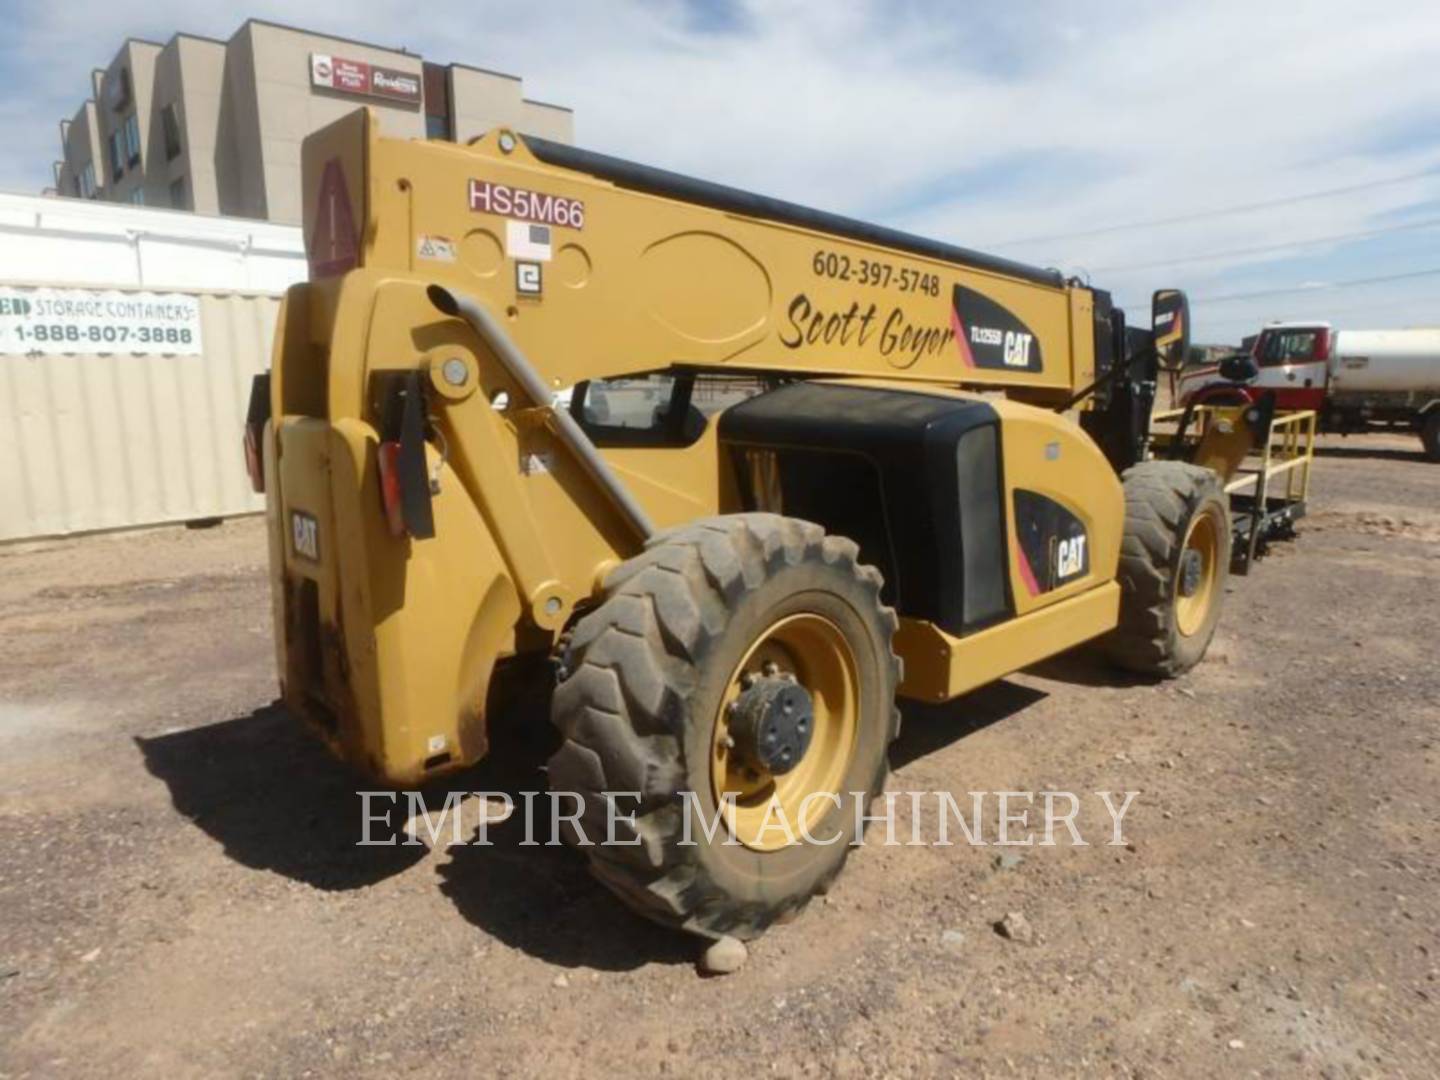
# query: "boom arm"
[604,268]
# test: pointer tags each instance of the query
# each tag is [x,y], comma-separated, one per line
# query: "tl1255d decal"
[990,336]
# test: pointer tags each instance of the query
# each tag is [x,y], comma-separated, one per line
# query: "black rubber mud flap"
[414,474]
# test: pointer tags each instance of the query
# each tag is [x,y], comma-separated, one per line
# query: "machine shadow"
[1378,453]
[926,728]
[543,901]
[274,799]
[1086,665]
[527,890]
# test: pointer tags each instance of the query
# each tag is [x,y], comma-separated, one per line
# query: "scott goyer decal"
[989,336]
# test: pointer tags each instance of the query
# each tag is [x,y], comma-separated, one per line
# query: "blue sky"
[1058,133]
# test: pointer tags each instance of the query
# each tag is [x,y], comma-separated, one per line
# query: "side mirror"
[1170,322]
[1238,368]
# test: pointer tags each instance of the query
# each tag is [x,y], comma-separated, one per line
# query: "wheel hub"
[772,722]
[1192,569]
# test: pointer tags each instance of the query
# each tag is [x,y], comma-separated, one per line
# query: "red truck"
[1356,380]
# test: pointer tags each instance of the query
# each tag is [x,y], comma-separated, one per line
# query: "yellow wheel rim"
[1195,583]
[812,650]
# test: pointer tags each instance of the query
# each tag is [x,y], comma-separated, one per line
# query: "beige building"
[215,126]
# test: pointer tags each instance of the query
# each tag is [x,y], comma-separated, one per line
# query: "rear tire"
[1430,434]
[1174,563]
[649,683]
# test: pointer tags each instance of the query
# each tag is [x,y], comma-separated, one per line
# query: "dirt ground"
[181,894]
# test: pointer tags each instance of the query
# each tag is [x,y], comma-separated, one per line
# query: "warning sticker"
[438,248]
[535,464]
[526,240]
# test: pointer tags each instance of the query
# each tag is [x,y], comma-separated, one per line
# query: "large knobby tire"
[651,678]
[1430,434]
[1174,563]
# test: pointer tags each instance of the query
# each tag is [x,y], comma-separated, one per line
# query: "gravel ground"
[180,893]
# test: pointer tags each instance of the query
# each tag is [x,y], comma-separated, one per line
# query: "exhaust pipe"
[523,372]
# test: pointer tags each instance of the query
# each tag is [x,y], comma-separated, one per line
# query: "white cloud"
[916,111]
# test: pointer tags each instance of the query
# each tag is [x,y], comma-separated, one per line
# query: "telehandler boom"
[744,470]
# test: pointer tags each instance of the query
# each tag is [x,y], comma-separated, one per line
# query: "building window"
[132,139]
[437,101]
[117,90]
[171,124]
[117,157]
[138,196]
[177,194]
[86,181]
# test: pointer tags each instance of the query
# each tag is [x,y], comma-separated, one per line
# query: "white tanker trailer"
[1356,380]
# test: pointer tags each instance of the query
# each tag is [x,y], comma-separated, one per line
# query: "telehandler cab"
[746,471]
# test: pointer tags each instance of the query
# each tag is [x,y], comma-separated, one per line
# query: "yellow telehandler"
[744,470]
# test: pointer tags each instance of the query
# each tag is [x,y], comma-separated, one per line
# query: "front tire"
[717,629]
[1174,563]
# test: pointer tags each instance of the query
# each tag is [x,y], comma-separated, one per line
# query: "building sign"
[98,321]
[358,77]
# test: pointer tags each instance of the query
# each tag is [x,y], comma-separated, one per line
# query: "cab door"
[1292,363]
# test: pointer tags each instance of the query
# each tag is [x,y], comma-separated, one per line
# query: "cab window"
[657,409]
[1288,347]
[631,404]
[649,410]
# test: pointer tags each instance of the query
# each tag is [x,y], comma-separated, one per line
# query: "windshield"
[1288,346]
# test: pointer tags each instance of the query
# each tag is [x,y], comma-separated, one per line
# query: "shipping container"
[128,340]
